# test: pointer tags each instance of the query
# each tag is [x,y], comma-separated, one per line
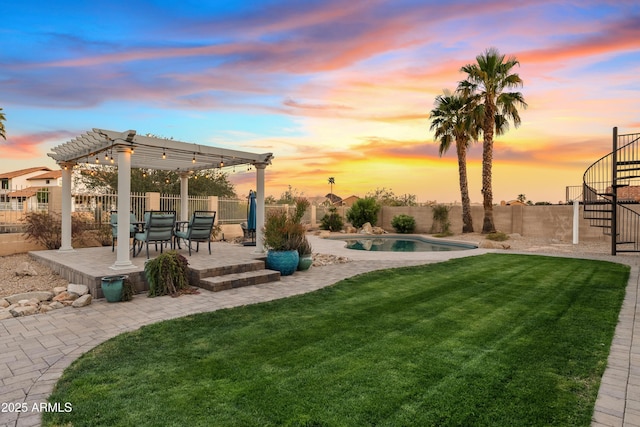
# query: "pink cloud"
[30,145]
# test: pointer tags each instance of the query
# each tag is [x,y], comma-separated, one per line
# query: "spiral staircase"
[611,193]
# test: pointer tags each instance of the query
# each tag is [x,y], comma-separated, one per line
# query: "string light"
[106,156]
[194,158]
[164,155]
[97,160]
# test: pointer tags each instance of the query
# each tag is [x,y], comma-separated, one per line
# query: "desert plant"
[332,221]
[167,274]
[441,224]
[46,228]
[497,236]
[281,232]
[403,223]
[305,247]
[128,289]
[302,205]
[363,211]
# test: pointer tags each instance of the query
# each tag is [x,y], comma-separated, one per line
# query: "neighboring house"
[349,201]
[27,186]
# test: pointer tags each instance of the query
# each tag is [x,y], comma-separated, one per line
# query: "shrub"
[281,233]
[363,211]
[46,228]
[441,225]
[497,236]
[332,221]
[167,274]
[403,223]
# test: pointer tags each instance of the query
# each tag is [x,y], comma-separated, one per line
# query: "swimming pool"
[397,243]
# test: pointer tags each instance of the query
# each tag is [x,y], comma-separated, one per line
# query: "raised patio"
[229,266]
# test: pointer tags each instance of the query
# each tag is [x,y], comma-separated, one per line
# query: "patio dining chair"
[158,228]
[198,229]
[113,220]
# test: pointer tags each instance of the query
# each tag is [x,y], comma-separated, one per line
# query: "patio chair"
[158,228]
[198,229]
[114,227]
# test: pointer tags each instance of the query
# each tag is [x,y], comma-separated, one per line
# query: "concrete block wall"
[550,222]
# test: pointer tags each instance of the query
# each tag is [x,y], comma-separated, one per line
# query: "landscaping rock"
[366,228]
[26,269]
[4,303]
[5,314]
[66,296]
[24,311]
[40,295]
[78,289]
[83,301]
[56,305]
[59,289]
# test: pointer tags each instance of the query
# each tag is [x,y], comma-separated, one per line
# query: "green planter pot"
[112,288]
[286,262]
[305,262]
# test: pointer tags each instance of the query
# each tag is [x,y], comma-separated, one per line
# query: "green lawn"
[493,340]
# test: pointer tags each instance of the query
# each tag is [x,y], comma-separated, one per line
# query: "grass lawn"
[494,340]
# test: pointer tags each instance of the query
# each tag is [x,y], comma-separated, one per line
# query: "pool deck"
[35,350]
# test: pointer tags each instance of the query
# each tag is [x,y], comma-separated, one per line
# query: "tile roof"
[21,172]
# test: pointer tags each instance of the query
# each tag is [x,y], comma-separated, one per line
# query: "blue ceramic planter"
[286,262]
[112,288]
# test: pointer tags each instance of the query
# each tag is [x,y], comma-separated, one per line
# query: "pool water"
[403,244]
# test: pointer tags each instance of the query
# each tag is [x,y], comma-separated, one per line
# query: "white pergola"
[130,150]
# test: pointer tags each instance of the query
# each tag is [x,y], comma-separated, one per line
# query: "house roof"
[22,172]
[25,192]
[48,175]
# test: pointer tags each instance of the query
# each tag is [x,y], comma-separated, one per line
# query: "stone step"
[238,280]
[198,274]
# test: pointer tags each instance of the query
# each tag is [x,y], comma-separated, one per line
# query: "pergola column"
[184,196]
[260,208]
[67,169]
[124,207]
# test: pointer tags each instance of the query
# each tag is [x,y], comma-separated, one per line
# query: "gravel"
[11,283]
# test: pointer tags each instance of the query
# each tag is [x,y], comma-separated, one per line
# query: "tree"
[332,181]
[521,198]
[456,117]
[489,78]
[386,197]
[201,183]
[2,120]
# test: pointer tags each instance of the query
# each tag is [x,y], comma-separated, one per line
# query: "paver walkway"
[35,350]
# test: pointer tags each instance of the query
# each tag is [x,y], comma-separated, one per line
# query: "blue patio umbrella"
[251,216]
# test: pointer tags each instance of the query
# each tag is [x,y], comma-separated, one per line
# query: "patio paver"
[35,350]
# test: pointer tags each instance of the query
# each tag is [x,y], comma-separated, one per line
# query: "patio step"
[238,280]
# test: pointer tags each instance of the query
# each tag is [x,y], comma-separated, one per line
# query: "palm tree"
[456,117]
[488,78]
[2,120]
[332,181]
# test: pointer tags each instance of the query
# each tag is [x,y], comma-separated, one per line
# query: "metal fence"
[16,203]
[171,202]
[232,211]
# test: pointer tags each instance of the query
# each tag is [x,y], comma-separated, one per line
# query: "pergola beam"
[130,150]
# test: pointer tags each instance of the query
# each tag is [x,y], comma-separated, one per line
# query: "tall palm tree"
[489,78]
[332,181]
[456,117]
[2,120]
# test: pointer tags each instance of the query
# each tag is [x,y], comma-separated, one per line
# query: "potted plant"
[282,236]
[305,253]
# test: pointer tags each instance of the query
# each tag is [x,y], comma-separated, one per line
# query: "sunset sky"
[337,89]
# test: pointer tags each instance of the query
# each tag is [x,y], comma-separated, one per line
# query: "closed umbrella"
[251,219]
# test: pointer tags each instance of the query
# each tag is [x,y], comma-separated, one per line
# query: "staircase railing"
[604,206]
